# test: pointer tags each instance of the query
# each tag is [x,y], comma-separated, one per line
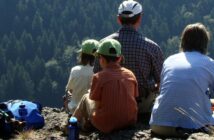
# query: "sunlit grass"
[209,128]
[25,135]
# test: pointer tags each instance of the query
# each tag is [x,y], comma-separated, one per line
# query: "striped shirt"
[115,88]
[142,56]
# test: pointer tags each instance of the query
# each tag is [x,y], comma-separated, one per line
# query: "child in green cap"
[80,76]
[111,103]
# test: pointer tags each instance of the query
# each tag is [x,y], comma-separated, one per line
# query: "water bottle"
[22,112]
[73,131]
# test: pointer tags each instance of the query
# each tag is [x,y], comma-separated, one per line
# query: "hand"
[212,102]
[69,94]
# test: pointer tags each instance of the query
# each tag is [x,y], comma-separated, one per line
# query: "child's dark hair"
[110,58]
[86,59]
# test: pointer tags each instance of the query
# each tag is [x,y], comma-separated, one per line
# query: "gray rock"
[56,120]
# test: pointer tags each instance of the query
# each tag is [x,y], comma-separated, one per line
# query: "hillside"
[55,120]
[38,38]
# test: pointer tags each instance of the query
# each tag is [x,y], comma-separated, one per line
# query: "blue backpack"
[28,112]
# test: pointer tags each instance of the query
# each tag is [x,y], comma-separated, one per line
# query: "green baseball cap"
[89,46]
[107,45]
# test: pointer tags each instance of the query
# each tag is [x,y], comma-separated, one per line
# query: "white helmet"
[129,8]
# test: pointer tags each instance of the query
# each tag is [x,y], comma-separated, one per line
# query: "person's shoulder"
[88,67]
[204,56]
[77,67]
[210,59]
[152,47]
[207,58]
[199,56]
[100,77]
[127,71]
[204,60]
[150,42]
[210,62]
[174,56]
[114,35]
[80,69]
[100,74]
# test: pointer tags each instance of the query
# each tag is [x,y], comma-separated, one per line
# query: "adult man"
[142,56]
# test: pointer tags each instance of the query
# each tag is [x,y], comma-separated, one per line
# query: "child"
[111,103]
[80,75]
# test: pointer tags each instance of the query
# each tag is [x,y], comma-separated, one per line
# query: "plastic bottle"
[22,112]
[73,131]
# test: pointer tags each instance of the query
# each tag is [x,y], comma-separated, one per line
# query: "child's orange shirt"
[115,88]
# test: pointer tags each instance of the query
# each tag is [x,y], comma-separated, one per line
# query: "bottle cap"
[73,120]
[22,106]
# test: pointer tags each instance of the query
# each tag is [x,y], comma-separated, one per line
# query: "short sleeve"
[157,63]
[95,93]
[69,85]
[136,94]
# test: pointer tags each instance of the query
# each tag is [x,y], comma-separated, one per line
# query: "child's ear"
[120,59]
[119,20]
[102,62]
[101,58]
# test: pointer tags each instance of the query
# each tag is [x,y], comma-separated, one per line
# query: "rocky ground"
[56,120]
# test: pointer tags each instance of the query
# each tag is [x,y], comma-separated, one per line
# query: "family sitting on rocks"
[124,75]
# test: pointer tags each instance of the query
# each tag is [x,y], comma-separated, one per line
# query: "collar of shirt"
[113,65]
[128,28]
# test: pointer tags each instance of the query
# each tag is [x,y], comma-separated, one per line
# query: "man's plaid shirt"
[142,56]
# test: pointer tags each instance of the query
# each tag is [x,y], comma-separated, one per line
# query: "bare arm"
[69,93]
[212,102]
[97,104]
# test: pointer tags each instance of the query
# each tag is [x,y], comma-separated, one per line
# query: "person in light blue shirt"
[183,105]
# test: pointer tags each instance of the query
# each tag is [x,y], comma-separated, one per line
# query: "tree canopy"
[39,39]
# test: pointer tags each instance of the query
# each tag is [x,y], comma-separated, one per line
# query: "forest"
[39,39]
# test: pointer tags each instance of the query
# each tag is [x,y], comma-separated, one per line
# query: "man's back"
[142,56]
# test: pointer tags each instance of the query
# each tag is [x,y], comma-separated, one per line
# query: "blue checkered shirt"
[142,56]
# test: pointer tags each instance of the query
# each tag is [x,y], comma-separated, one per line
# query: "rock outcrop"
[56,119]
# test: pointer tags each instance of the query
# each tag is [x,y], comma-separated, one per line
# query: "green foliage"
[39,39]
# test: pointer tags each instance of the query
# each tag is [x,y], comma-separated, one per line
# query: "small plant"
[25,135]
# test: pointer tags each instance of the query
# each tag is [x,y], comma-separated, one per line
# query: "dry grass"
[209,128]
[25,135]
